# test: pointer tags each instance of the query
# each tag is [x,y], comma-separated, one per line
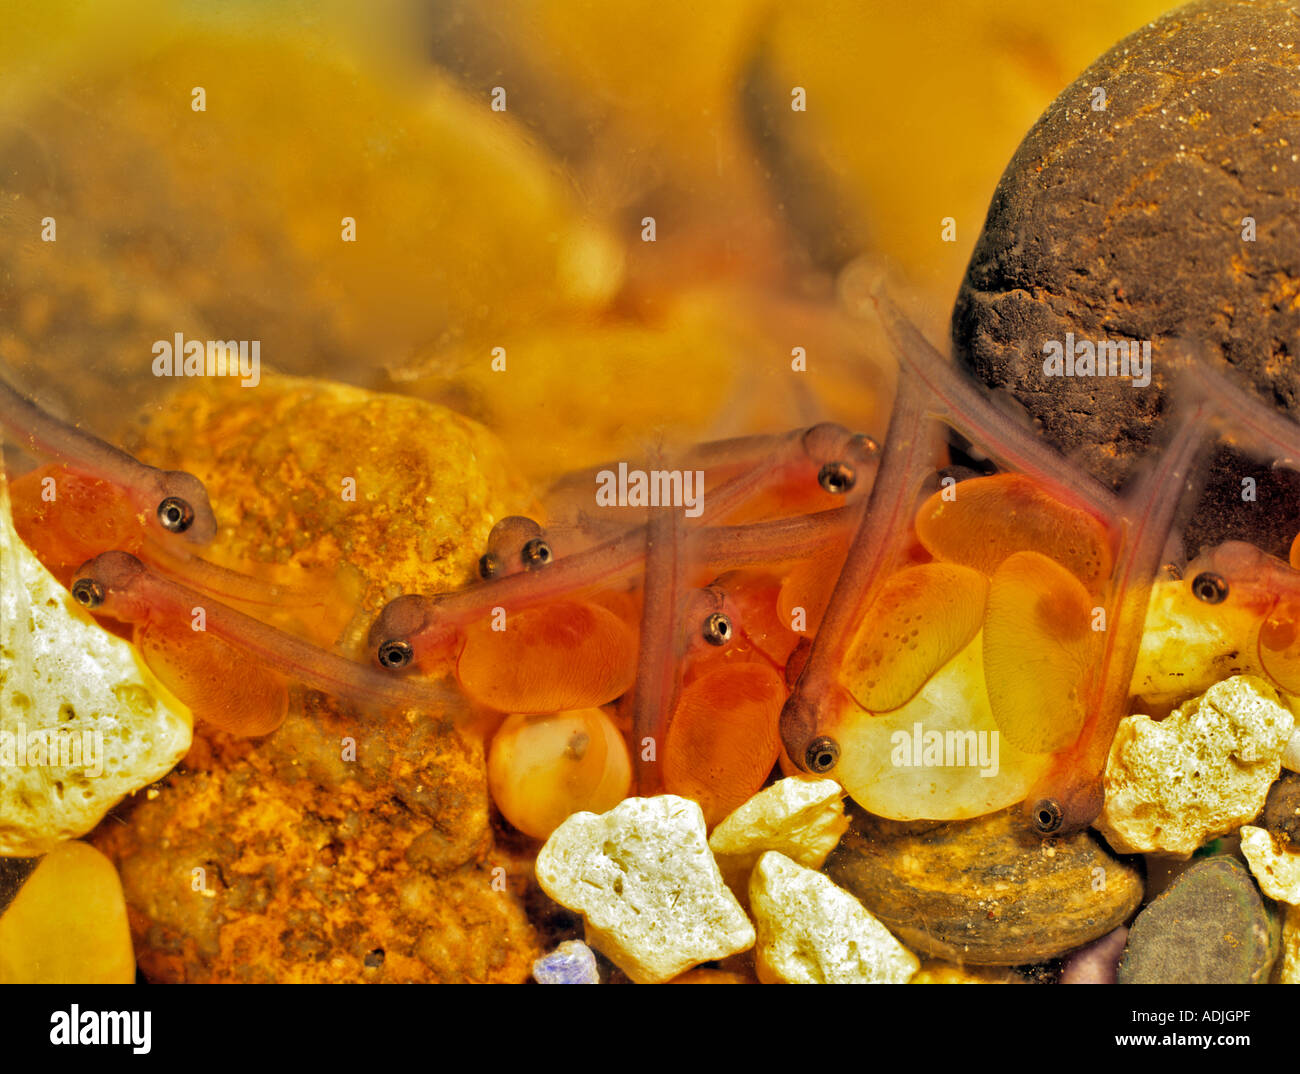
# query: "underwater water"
[587,493]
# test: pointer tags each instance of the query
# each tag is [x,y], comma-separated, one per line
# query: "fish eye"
[836,477]
[395,655]
[536,553]
[175,515]
[87,592]
[1210,588]
[864,445]
[822,754]
[488,566]
[1048,815]
[717,629]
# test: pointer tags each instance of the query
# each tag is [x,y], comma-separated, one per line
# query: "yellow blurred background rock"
[67,924]
[913,111]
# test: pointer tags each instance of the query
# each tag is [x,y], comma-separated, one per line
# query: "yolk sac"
[1279,644]
[192,645]
[67,518]
[982,521]
[427,631]
[923,617]
[563,655]
[172,504]
[723,738]
[722,735]
[544,768]
[1039,648]
[1295,552]
[197,670]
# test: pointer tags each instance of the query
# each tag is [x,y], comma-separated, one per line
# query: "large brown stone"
[1127,223]
[985,891]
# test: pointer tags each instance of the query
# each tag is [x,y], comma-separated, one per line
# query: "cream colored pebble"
[802,818]
[812,932]
[1200,773]
[1290,962]
[1291,755]
[1276,869]
[643,878]
[70,692]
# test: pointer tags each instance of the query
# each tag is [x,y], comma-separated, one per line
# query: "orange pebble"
[542,769]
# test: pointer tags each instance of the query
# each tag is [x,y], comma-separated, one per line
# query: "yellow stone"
[1290,964]
[812,932]
[1276,868]
[802,818]
[1201,772]
[67,924]
[945,105]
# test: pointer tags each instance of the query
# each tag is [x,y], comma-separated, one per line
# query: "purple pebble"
[1097,962]
[570,963]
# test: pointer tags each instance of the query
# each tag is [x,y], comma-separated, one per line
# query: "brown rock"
[1281,814]
[341,847]
[1127,223]
[984,891]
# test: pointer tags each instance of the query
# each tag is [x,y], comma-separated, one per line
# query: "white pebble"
[812,932]
[802,818]
[643,877]
[1276,868]
[1200,773]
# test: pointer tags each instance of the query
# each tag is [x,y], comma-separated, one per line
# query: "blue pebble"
[570,963]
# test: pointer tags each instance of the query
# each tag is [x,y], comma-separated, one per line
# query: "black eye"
[717,629]
[175,515]
[88,593]
[1210,588]
[395,655]
[836,477]
[1048,815]
[822,755]
[536,553]
[488,565]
